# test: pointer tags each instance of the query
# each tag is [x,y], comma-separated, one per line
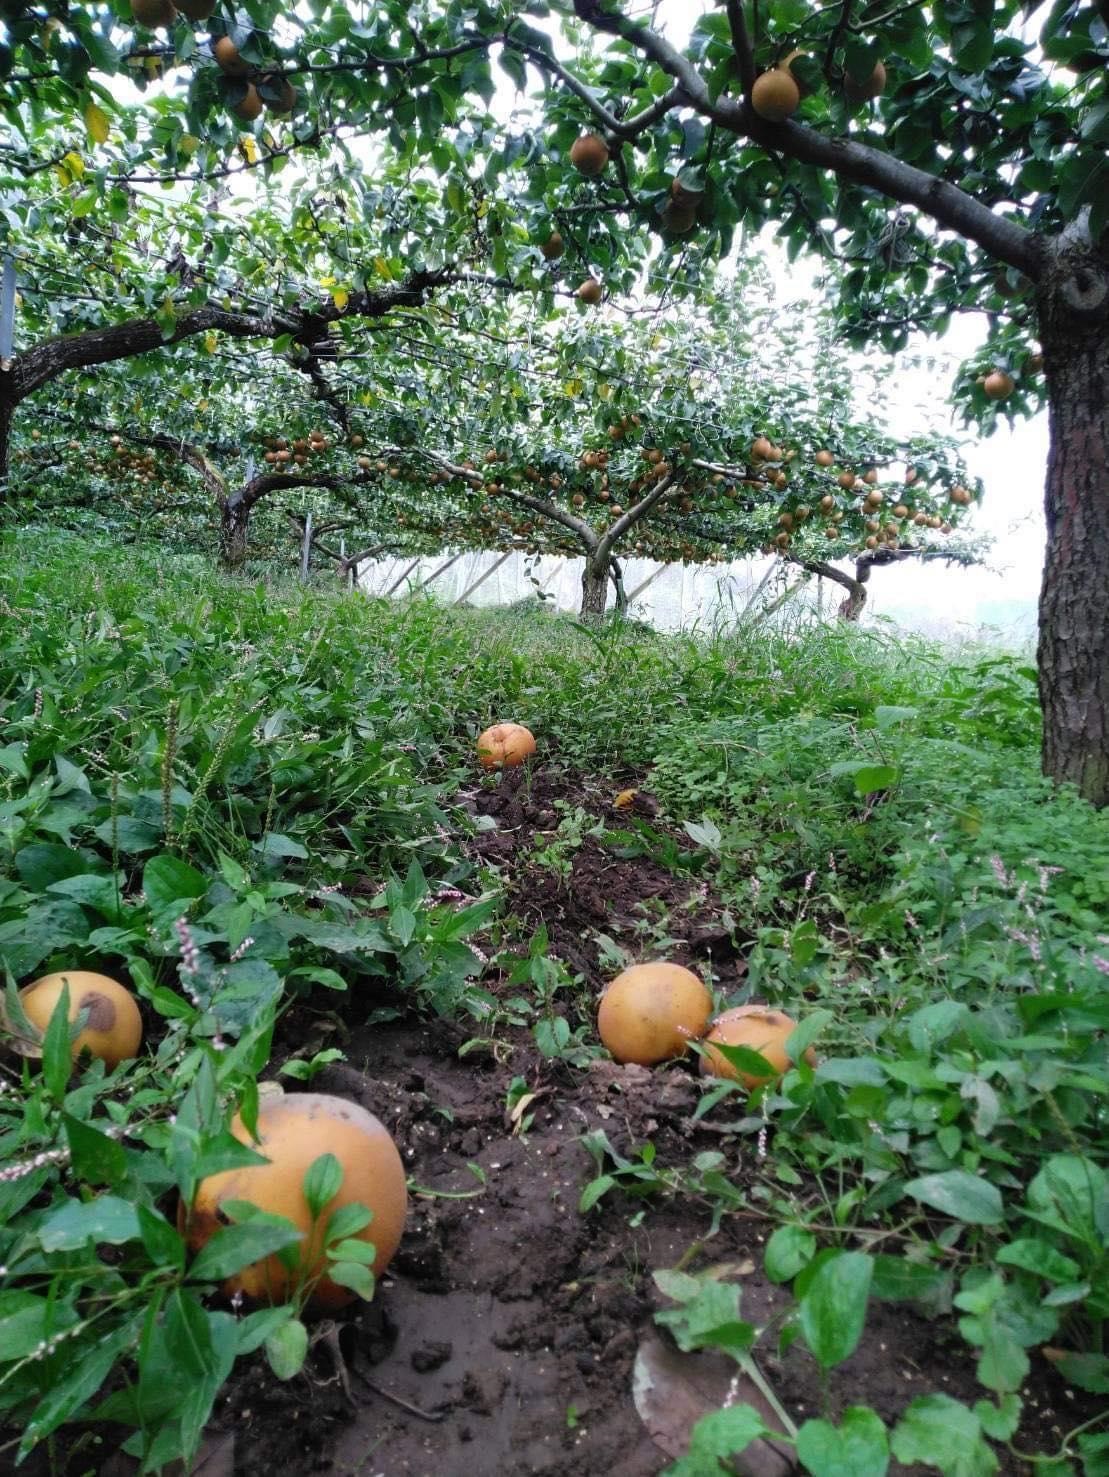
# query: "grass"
[265,774]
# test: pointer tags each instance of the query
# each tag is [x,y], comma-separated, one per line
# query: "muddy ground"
[505,1333]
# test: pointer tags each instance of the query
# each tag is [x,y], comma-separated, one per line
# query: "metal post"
[759,588]
[441,570]
[483,577]
[249,470]
[392,590]
[306,549]
[7,313]
[555,572]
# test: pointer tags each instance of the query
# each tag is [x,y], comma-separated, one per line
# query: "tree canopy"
[286,173]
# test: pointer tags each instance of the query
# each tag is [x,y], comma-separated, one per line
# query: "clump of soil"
[638,882]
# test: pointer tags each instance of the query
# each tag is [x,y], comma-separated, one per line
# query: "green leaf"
[1087,1371]
[161,1241]
[897,1278]
[887,717]
[170,885]
[96,1158]
[789,1249]
[287,1348]
[87,1371]
[999,1421]
[276,845]
[323,1180]
[941,1432]
[57,1048]
[594,1190]
[803,1035]
[833,1308]
[859,1444]
[234,1247]
[256,1328]
[74,1224]
[27,1321]
[955,1192]
[710,1318]
[1036,1256]
[355,1276]
[716,1438]
[347,1221]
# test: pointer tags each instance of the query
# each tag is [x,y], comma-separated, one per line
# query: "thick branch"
[37,366]
[945,203]
[584,531]
[741,43]
[634,514]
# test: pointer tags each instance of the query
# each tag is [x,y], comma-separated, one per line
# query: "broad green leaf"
[323,1180]
[96,1158]
[833,1307]
[858,1444]
[941,1432]
[74,1224]
[170,885]
[86,1371]
[27,1321]
[287,1348]
[232,1248]
[789,1249]
[965,1197]
[716,1438]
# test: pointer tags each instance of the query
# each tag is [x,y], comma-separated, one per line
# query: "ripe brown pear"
[590,292]
[154,13]
[999,385]
[227,57]
[775,95]
[553,247]
[589,155]
[865,92]
[249,106]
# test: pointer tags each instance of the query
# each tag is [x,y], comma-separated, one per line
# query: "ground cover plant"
[260,806]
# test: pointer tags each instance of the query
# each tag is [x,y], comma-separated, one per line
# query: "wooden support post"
[648,581]
[249,469]
[306,549]
[483,577]
[392,590]
[7,313]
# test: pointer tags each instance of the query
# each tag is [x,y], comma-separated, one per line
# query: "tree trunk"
[233,529]
[7,414]
[594,592]
[1074,600]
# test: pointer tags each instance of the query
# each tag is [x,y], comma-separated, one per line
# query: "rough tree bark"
[7,412]
[234,530]
[594,591]
[1074,599]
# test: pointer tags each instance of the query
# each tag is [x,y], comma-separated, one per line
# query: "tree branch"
[44,362]
[633,516]
[861,163]
[741,43]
